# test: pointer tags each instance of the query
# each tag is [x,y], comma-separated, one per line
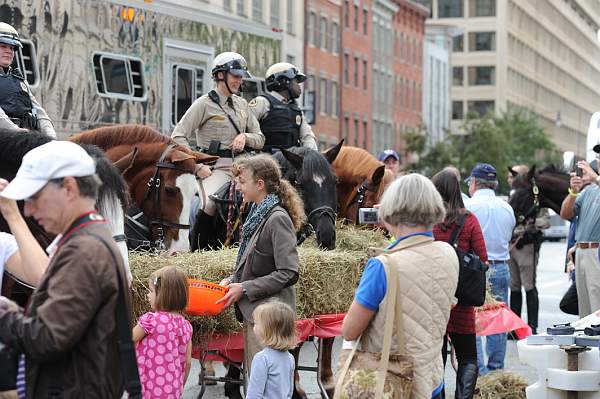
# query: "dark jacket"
[69,333]
[269,267]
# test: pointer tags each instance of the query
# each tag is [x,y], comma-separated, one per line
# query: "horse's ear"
[333,152]
[513,172]
[531,173]
[180,156]
[126,162]
[201,157]
[378,175]
[295,159]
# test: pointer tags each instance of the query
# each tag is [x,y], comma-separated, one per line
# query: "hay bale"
[327,282]
[501,385]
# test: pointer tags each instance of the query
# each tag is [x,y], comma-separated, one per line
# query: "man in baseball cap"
[390,159]
[70,327]
[497,222]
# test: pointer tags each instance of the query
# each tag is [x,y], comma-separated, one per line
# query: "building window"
[482,75]
[275,13]
[482,41]
[257,10]
[323,43]
[346,129]
[227,5]
[346,13]
[365,21]
[312,28]
[364,138]
[241,8]
[450,9]
[458,43]
[356,17]
[457,76]
[119,76]
[26,60]
[335,106]
[356,125]
[483,8]
[365,74]
[481,107]
[290,59]
[290,17]
[335,38]
[346,67]
[323,96]
[356,71]
[310,83]
[188,85]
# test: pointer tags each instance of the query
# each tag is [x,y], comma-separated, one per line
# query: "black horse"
[310,173]
[113,196]
[546,188]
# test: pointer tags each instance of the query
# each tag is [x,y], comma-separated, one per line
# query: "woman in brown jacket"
[267,261]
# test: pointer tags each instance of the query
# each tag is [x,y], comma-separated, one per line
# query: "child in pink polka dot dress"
[163,338]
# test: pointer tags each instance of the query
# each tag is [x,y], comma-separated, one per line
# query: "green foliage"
[511,138]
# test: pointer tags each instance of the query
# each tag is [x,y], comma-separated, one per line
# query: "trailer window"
[119,76]
[26,61]
[188,85]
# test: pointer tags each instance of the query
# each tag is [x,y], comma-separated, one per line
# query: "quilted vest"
[428,275]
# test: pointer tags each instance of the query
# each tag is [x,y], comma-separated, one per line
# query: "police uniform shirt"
[44,122]
[260,107]
[209,122]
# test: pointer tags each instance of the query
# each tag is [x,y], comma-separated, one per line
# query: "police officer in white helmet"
[223,125]
[18,106]
[281,119]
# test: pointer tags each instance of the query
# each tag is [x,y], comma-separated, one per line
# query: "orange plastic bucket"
[202,297]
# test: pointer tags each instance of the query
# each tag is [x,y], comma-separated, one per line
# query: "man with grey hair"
[497,222]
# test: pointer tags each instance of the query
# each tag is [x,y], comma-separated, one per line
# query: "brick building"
[322,65]
[356,73]
[409,29]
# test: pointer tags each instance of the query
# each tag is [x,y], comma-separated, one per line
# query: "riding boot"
[200,235]
[533,305]
[516,302]
[232,391]
[466,380]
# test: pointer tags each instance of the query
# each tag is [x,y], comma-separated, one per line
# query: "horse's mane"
[553,169]
[355,165]
[112,136]
[14,145]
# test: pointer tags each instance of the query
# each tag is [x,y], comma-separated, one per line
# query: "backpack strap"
[458,229]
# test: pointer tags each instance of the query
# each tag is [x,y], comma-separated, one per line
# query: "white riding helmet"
[279,75]
[9,35]
[230,62]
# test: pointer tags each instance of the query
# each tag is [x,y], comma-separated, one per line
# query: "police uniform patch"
[298,120]
[253,103]
[23,86]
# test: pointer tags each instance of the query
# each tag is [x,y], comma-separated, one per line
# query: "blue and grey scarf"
[255,217]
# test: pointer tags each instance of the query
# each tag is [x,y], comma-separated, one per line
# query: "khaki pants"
[221,174]
[251,347]
[523,268]
[587,278]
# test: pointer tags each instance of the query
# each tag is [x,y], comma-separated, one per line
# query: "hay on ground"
[501,385]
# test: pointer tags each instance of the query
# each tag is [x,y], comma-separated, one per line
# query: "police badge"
[298,120]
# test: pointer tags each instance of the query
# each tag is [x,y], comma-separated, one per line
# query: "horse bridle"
[359,198]
[308,228]
[156,222]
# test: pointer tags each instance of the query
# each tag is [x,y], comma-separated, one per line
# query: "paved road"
[552,283]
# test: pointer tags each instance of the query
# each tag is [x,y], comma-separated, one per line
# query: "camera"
[368,216]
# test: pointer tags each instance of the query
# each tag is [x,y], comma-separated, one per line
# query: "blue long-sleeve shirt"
[271,375]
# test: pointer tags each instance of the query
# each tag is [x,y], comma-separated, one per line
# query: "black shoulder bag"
[471,286]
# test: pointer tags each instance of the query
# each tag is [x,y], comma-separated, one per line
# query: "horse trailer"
[93,63]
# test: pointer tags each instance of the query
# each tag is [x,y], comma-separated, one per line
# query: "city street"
[552,283]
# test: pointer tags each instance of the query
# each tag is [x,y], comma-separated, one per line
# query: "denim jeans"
[495,345]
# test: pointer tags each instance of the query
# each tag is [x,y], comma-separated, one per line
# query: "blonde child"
[163,337]
[272,371]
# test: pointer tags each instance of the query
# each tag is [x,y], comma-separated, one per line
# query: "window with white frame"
[312,28]
[241,8]
[335,38]
[257,10]
[188,85]
[323,34]
[335,110]
[119,76]
[227,5]
[275,13]
[323,96]
[290,16]
[26,61]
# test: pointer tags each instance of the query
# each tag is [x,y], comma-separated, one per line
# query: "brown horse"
[160,175]
[362,180]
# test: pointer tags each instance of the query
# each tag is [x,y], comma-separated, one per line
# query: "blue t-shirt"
[373,284]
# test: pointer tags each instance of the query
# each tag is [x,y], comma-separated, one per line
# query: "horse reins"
[536,203]
[359,198]
[153,190]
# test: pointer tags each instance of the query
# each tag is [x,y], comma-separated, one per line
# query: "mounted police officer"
[223,126]
[281,119]
[18,107]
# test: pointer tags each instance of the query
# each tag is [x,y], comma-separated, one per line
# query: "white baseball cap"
[53,160]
